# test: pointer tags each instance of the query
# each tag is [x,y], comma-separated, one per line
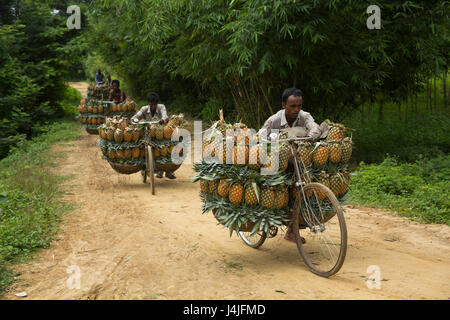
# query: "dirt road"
[127,244]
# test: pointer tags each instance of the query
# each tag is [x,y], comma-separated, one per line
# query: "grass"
[30,202]
[416,190]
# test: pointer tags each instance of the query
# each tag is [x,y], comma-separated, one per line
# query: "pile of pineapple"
[126,109]
[121,142]
[161,138]
[98,92]
[327,161]
[91,113]
[240,197]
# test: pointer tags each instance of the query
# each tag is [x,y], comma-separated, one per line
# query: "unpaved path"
[128,244]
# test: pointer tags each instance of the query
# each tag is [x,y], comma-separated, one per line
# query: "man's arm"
[312,127]
[162,109]
[268,126]
[138,116]
[123,96]
[110,98]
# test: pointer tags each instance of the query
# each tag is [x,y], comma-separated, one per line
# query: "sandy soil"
[128,244]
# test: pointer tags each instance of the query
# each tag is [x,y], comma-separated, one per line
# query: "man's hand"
[162,121]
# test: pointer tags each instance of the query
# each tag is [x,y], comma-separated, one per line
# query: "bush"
[419,190]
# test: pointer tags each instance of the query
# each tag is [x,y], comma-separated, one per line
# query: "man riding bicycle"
[153,111]
[292,116]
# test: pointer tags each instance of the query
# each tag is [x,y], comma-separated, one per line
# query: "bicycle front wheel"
[150,164]
[318,218]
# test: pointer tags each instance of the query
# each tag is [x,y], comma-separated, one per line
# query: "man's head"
[292,101]
[152,99]
[99,71]
[115,84]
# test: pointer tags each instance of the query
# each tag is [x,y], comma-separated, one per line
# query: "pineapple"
[135,152]
[253,160]
[304,152]
[281,198]
[284,156]
[336,132]
[204,185]
[164,151]
[167,132]
[131,106]
[241,155]
[223,188]
[118,135]
[157,152]
[320,154]
[135,135]
[213,186]
[111,154]
[159,132]
[236,192]
[323,178]
[142,152]
[153,131]
[267,197]
[128,134]
[119,154]
[334,151]
[346,147]
[251,197]
[110,133]
[127,153]
[336,183]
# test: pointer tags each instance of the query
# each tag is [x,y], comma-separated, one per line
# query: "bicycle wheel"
[255,241]
[318,217]
[150,168]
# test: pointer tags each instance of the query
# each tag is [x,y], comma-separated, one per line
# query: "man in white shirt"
[151,112]
[292,116]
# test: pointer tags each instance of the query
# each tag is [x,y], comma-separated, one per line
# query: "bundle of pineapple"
[161,139]
[98,92]
[239,195]
[122,143]
[126,109]
[92,114]
[327,161]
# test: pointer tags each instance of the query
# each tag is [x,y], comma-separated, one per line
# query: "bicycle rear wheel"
[318,217]
[150,170]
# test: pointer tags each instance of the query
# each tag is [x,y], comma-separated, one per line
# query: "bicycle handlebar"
[147,122]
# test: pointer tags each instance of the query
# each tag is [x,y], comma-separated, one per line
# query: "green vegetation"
[419,190]
[36,56]
[30,203]
[241,55]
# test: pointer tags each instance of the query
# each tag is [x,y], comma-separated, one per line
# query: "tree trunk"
[445,91]
[362,114]
[380,111]
[435,93]
[406,109]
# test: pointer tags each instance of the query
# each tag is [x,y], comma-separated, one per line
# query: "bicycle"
[314,208]
[149,166]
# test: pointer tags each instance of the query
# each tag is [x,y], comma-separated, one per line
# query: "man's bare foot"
[291,237]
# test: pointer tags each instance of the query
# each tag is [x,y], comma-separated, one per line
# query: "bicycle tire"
[262,236]
[150,168]
[319,249]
